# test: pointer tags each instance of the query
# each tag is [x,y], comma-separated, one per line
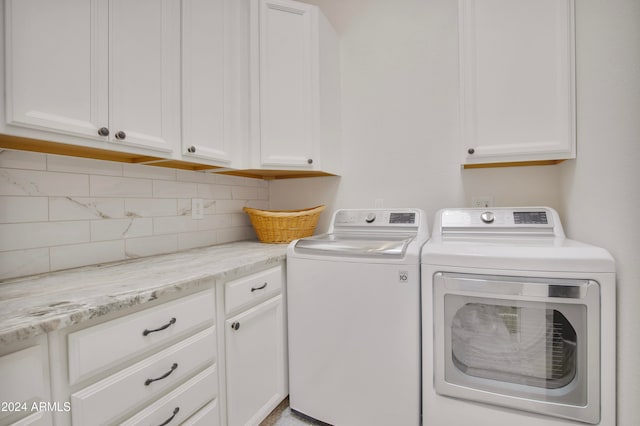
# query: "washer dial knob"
[487,217]
[370,218]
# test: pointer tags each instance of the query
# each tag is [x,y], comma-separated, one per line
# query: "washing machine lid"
[360,245]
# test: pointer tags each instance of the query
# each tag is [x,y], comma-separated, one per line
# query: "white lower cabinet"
[156,366]
[211,358]
[24,383]
[256,378]
[255,346]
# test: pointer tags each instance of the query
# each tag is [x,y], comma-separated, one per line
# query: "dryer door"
[525,343]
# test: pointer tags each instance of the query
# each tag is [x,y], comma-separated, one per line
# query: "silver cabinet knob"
[103,131]
[121,135]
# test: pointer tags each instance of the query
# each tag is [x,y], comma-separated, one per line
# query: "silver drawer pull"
[166,422]
[258,288]
[164,376]
[171,322]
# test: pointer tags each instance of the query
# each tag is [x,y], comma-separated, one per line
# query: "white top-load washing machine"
[354,319]
[519,322]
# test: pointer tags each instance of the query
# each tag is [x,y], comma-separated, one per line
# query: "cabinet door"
[288,83]
[56,65]
[144,73]
[517,80]
[206,120]
[256,363]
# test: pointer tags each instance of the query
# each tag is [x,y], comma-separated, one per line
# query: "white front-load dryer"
[518,322]
[353,301]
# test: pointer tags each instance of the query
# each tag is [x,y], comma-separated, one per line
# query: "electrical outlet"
[197,208]
[378,203]
[483,201]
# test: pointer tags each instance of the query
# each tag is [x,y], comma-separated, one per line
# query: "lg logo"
[403,276]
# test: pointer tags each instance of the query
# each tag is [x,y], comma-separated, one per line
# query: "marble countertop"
[34,305]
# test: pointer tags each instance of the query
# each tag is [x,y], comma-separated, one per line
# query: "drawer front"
[41,418]
[107,399]
[209,415]
[252,289]
[181,403]
[108,344]
[23,381]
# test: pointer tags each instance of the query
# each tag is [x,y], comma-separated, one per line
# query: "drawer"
[209,415]
[106,400]
[41,418]
[23,381]
[252,289]
[181,403]
[111,343]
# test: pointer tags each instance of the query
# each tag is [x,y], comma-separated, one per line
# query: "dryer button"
[487,217]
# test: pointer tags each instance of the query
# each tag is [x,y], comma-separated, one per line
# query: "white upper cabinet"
[295,87]
[215,80]
[103,69]
[517,80]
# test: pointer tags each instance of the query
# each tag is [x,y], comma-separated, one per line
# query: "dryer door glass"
[525,345]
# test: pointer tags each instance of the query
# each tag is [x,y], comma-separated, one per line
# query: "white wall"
[400,137]
[601,189]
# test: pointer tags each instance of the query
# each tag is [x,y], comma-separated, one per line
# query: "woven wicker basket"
[283,226]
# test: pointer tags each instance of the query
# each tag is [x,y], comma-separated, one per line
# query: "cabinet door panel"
[287,83]
[144,72]
[256,363]
[205,26]
[56,64]
[517,80]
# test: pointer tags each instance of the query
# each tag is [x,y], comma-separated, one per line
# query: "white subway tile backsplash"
[244,192]
[150,207]
[61,163]
[23,160]
[184,207]
[72,256]
[167,189]
[24,209]
[60,212]
[240,219]
[214,221]
[37,183]
[188,240]
[19,236]
[216,192]
[230,206]
[23,262]
[235,234]
[149,246]
[121,229]
[148,172]
[85,208]
[110,186]
[174,225]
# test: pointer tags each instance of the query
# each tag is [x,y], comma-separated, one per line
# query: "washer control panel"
[376,218]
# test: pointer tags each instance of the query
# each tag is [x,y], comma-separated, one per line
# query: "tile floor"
[283,416]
